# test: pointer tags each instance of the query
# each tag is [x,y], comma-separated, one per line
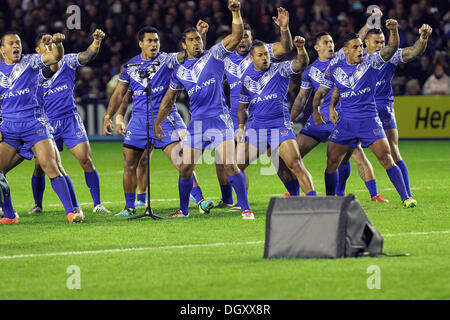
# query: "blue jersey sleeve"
[306,80]
[285,69]
[244,97]
[175,84]
[72,60]
[219,52]
[35,61]
[375,60]
[124,76]
[397,58]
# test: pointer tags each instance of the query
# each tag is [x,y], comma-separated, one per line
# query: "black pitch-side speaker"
[319,227]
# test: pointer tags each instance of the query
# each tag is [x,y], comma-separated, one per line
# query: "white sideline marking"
[220,244]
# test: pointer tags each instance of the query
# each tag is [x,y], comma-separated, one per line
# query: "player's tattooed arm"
[242,120]
[285,45]
[56,51]
[114,103]
[333,103]
[389,50]
[416,50]
[237,29]
[91,52]
[300,102]
[302,60]
[362,33]
[317,102]
[164,110]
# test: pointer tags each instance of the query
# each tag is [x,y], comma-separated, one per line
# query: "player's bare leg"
[289,152]
[335,154]
[382,151]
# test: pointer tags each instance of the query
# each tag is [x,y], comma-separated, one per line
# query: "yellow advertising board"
[423,117]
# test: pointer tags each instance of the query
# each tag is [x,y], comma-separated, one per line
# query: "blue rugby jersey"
[202,78]
[164,63]
[266,93]
[57,94]
[384,94]
[18,88]
[235,67]
[356,85]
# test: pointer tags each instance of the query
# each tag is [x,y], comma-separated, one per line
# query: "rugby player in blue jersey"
[24,125]
[312,134]
[355,78]
[384,96]
[56,96]
[235,66]
[211,125]
[263,114]
[135,133]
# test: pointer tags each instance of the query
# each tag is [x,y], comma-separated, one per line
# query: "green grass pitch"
[219,256]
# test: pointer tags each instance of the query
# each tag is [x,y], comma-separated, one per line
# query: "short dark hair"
[38,38]
[247,27]
[373,31]
[349,37]
[186,31]
[144,30]
[7,34]
[256,43]
[320,35]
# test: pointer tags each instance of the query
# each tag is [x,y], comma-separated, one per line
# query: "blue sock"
[238,183]
[293,187]
[227,193]
[344,172]
[312,194]
[331,180]
[38,187]
[402,165]
[8,209]
[372,187]
[197,194]
[185,188]
[59,185]
[142,197]
[72,192]
[129,200]
[395,174]
[93,183]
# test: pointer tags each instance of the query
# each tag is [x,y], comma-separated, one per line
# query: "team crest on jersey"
[237,70]
[315,74]
[258,86]
[192,75]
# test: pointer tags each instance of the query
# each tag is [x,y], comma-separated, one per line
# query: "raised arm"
[302,60]
[114,103]
[389,50]
[317,102]
[164,110]
[376,14]
[91,52]
[237,30]
[56,52]
[300,102]
[285,45]
[416,50]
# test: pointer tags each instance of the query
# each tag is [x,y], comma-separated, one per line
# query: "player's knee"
[186,171]
[87,163]
[386,160]
[332,164]
[232,169]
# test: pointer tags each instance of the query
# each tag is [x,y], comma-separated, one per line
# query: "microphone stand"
[145,74]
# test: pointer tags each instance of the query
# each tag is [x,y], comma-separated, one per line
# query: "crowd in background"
[121,21]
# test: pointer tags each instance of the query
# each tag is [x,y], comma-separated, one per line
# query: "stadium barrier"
[418,117]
